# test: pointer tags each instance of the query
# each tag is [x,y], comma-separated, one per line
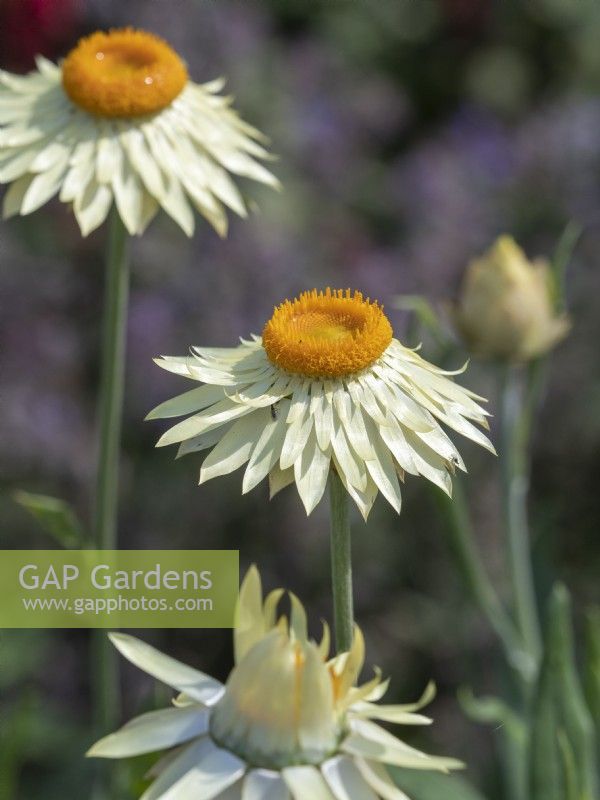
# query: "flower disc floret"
[327,334]
[123,73]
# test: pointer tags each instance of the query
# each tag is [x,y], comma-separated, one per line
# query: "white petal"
[194,683]
[306,782]
[173,199]
[218,414]
[395,440]
[47,67]
[214,771]
[401,405]
[205,440]
[54,153]
[323,415]
[361,393]
[241,164]
[109,156]
[171,770]
[311,471]
[143,163]
[180,365]
[389,713]
[224,188]
[128,197]
[92,206]
[236,446]
[364,499]
[149,210]
[13,199]
[250,624]
[44,186]
[262,784]
[357,434]
[76,181]
[382,469]
[368,740]
[299,402]
[262,393]
[295,440]
[429,463]
[17,164]
[279,479]
[200,773]
[353,468]
[345,780]
[154,731]
[267,451]
[188,402]
[377,777]
[165,761]
[438,441]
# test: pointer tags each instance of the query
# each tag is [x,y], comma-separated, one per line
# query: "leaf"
[592,668]
[11,754]
[544,766]
[493,711]
[576,716]
[432,786]
[561,720]
[569,767]
[425,314]
[56,517]
[560,261]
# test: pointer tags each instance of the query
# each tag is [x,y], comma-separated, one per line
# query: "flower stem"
[517,410]
[475,576]
[341,564]
[111,385]
[106,684]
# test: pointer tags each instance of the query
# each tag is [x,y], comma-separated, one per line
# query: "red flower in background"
[28,27]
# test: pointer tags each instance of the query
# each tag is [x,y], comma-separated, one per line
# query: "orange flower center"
[123,73]
[327,334]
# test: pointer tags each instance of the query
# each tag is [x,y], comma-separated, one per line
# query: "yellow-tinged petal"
[250,624]
[288,724]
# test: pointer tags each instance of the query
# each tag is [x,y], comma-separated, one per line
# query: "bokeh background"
[410,133]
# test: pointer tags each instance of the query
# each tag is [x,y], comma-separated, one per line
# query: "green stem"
[111,385]
[341,565]
[476,578]
[517,412]
[106,684]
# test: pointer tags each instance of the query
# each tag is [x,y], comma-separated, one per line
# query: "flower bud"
[505,309]
[278,706]
[290,722]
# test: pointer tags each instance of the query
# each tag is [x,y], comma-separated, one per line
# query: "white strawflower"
[288,725]
[326,386]
[120,120]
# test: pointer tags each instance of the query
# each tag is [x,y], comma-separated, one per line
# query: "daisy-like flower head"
[121,120]
[327,386]
[288,725]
